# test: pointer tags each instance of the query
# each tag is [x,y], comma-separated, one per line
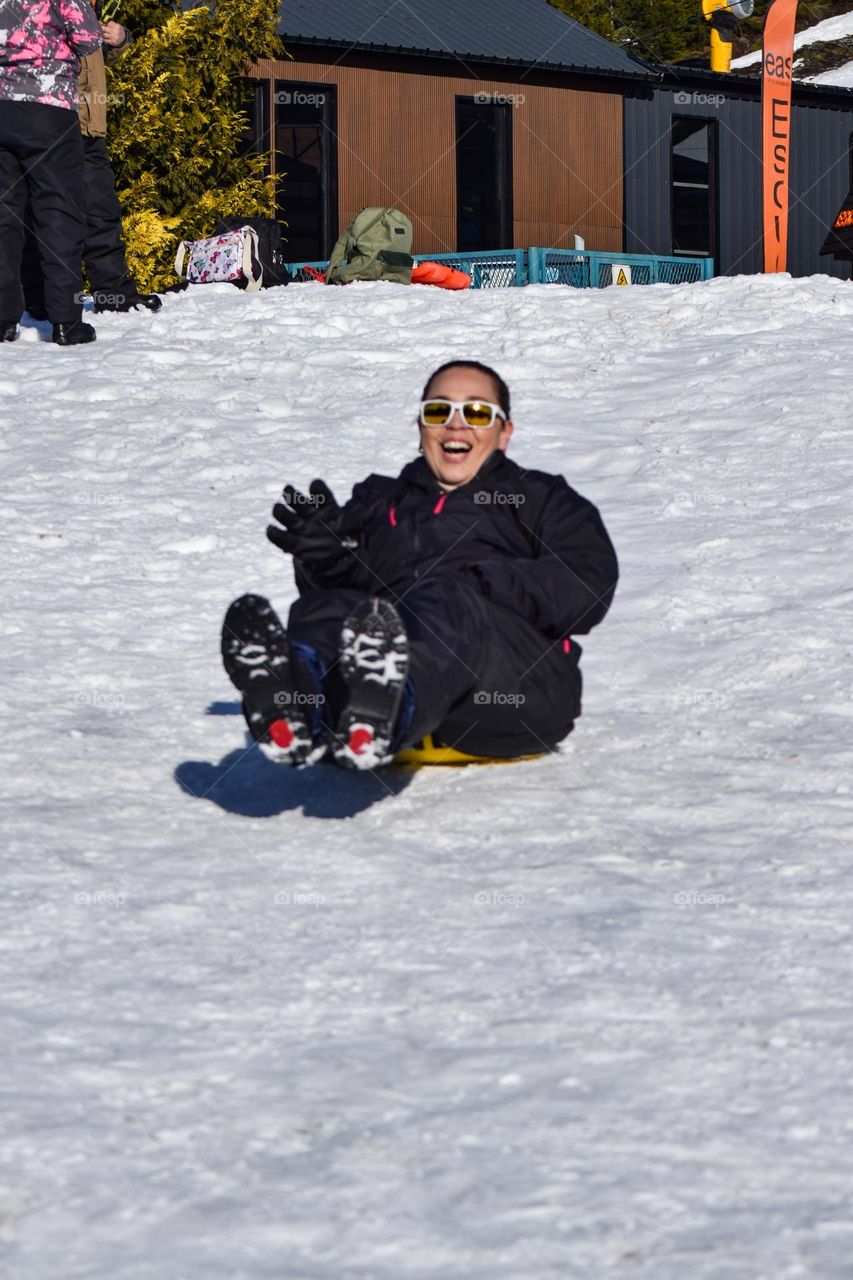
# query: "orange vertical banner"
[777,60]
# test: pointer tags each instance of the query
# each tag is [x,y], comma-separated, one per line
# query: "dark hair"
[500,386]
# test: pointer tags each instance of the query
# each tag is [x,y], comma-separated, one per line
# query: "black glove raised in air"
[316,531]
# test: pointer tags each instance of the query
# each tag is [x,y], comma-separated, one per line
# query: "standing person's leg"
[54,165]
[103,250]
[13,194]
[32,280]
[113,287]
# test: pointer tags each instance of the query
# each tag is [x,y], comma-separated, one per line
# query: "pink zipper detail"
[392,515]
[437,508]
[567,645]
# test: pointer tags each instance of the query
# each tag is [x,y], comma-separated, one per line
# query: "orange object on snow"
[440,275]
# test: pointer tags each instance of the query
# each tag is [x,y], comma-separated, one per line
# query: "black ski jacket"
[529,542]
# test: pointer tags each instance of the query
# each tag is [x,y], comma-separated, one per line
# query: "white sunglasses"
[479,414]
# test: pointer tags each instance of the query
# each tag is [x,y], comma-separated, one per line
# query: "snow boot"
[125,297]
[73,334]
[257,659]
[374,663]
[8,330]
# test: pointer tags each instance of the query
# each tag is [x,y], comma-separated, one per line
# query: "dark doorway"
[693,187]
[483,175]
[306,158]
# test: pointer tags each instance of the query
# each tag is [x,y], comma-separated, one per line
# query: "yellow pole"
[719,14]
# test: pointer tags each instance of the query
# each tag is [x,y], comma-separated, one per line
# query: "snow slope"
[586,1017]
[839,27]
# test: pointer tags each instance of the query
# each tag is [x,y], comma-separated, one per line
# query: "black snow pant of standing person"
[41,170]
[481,678]
[103,247]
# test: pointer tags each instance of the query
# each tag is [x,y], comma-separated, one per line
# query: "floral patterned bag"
[232,257]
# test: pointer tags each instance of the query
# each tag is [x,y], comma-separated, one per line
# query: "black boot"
[124,298]
[8,330]
[257,659]
[374,662]
[73,334]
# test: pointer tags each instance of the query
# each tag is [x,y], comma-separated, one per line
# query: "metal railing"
[579,268]
[596,269]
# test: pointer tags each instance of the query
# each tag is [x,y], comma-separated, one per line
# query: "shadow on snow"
[244,782]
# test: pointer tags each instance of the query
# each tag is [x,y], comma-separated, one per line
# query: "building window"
[693,186]
[256,138]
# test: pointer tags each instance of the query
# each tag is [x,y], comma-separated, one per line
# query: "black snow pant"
[41,168]
[481,678]
[103,247]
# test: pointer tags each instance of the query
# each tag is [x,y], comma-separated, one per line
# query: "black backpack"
[270,249]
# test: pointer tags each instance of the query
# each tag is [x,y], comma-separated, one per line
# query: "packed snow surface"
[586,1017]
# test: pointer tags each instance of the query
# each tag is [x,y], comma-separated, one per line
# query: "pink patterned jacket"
[41,44]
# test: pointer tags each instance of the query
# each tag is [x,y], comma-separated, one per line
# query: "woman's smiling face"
[455,452]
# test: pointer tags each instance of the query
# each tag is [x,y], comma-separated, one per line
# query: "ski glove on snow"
[316,531]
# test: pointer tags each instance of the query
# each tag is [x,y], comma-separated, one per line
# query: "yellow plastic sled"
[427,753]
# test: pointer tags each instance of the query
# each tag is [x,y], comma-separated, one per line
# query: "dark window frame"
[506,202]
[713,186]
[329,169]
[258,137]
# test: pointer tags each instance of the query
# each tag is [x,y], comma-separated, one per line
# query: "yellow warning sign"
[621,277]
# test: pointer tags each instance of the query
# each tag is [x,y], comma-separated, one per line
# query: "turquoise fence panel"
[495,269]
[578,268]
[590,269]
[297,269]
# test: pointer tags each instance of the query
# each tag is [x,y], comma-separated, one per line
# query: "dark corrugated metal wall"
[820,177]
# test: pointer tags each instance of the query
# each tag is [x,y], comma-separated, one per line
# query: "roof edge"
[645,73]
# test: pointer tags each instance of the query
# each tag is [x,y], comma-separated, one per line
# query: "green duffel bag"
[375,246]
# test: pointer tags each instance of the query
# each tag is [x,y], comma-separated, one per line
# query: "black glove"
[316,529]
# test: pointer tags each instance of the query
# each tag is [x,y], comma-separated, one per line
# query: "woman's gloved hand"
[316,530]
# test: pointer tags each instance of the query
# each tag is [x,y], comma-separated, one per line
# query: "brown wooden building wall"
[396,136]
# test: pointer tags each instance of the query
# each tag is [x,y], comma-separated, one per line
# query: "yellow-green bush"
[176,121]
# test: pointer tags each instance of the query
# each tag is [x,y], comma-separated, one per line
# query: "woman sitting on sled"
[438,605]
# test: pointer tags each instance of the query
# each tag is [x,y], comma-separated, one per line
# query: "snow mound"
[582,1017]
